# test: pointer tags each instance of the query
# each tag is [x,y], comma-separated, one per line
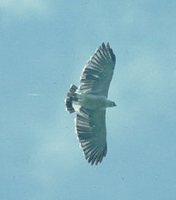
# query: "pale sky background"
[43,48]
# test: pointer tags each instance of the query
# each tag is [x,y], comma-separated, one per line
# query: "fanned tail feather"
[69,99]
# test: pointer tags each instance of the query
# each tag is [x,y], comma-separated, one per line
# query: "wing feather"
[91,132]
[98,72]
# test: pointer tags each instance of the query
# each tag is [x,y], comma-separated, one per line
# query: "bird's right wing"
[97,73]
[91,132]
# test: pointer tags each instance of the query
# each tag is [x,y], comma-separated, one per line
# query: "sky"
[44,45]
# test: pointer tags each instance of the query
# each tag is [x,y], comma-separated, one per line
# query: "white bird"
[89,101]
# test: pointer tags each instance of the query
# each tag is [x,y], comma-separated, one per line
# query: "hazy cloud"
[33,94]
[25,7]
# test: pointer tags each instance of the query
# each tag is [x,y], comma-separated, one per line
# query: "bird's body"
[90,101]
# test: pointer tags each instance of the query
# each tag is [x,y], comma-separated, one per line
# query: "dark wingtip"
[107,47]
[103,45]
[95,157]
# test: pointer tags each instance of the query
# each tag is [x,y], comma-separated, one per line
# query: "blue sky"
[43,48]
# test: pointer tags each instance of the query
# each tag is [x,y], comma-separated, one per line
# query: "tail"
[69,99]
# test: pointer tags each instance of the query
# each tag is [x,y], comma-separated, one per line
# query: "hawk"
[90,101]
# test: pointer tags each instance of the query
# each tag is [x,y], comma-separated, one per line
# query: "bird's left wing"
[97,73]
[91,132]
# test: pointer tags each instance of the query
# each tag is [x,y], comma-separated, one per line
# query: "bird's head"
[111,103]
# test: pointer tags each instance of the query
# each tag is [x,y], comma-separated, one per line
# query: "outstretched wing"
[97,73]
[91,132]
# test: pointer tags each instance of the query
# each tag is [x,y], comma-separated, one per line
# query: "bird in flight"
[90,101]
